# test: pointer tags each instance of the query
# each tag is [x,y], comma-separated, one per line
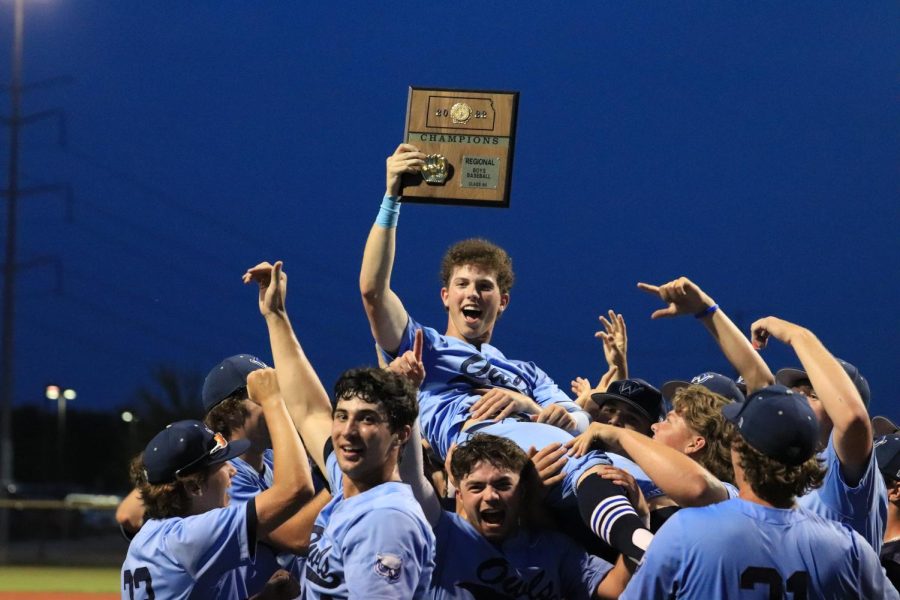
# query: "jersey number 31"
[796,584]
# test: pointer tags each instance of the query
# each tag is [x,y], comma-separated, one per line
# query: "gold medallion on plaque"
[434,170]
[460,112]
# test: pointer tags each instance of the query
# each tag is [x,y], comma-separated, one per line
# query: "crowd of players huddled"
[451,471]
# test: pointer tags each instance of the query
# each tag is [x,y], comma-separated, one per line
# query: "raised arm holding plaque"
[468,136]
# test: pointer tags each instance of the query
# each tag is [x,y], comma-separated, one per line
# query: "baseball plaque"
[468,136]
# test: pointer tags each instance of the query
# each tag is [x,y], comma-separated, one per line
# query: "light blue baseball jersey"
[732,490]
[454,369]
[376,544]
[648,488]
[527,434]
[193,557]
[740,549]
[246,484]
[531,564]
[862,507]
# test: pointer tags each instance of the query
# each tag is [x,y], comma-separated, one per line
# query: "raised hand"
[682,295]
[448,460]
[262,385]
[774,327]
[615,342]
[409,364]
[582,390]
[612,374]
[272,286]
[405,159]
[499,403]
[557,416]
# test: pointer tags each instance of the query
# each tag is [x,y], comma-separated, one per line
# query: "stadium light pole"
[9,278]
[130,419]
[61,397]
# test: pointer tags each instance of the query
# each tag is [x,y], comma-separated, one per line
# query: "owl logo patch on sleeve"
[388,566]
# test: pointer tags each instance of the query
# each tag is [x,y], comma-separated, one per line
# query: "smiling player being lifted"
[470,385]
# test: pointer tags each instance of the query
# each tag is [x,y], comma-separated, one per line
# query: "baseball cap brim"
[883,426]
[231,450]
[603,398]
[731,411]
[669,388]
[790,377]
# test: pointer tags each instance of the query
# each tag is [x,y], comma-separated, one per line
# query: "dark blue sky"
[752,147]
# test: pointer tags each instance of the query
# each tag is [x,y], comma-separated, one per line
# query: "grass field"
[39,583]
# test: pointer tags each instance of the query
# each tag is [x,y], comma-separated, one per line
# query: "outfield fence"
[79,530]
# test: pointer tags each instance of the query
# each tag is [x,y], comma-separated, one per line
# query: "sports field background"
[62,552]
[58,583]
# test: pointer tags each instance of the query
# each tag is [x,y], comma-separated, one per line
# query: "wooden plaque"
[474,131]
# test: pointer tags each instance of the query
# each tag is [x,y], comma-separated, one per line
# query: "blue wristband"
[389,212]
[707,311]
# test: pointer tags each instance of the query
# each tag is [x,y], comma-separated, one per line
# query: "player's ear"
[445,298]
[894,492]
[193,487]
[402,434]
[696,444]
[504,301]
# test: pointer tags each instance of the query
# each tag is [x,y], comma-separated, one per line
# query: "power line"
[143,326]
[136,250]
[195,317]
[235,234]
[154,234]
[120,355]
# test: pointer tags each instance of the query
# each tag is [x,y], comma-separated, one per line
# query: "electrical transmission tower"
[13,193]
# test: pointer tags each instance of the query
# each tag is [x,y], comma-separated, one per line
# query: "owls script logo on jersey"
[478,371]
[388,566]
[318,570]
[499,580]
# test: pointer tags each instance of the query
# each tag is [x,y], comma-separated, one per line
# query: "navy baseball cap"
[777,422]
[791,377]
[717,384]
[186,447]
[887,454]
[227,377]
[638,394]
[883,426]
[741,385]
